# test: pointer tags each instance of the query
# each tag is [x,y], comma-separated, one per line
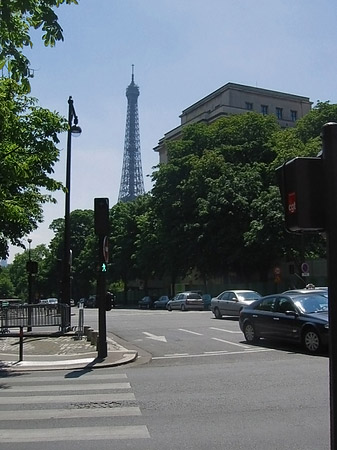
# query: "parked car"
[49,301]
[230,303]
[186,301]
[161,302]
[90,302]
[146,302]
[298,317]
[313,290]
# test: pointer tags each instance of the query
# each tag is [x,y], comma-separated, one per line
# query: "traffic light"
[32,267]
[301,184]
[102,216]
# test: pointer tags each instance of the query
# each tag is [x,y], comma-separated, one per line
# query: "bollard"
[89,331]
[94,337]
[21,345]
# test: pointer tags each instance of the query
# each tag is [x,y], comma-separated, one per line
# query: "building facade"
[235,98]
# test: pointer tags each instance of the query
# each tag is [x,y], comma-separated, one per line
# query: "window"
[264,109]
[293,115]
[249,106]
[267,304]
[279,113]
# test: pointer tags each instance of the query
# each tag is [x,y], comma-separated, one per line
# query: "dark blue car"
[297,317]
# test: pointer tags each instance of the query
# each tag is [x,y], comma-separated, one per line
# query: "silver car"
[186,301]
[230,303]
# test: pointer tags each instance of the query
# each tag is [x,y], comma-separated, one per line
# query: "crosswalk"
[89,407]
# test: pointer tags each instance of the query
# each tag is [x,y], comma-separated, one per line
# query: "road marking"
[67,398]
[177,354]
[226,331]
[72,388]
[191,332]
[74,434]
[220,353]
[229,342]
[66,413]
[153,336]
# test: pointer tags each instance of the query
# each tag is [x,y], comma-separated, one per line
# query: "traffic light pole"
[101,216]
[329,156]
[100,297]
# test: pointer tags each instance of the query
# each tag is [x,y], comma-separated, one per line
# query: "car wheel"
[311,340]
[217,313]
[249,333]
[183,307]
[169,308]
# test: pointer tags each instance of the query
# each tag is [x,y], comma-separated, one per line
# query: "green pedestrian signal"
[103,268]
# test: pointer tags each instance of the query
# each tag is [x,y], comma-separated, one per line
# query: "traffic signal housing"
[301,183]
[102,216]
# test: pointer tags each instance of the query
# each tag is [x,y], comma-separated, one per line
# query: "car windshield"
[311,303]
[193,295]
[248,295]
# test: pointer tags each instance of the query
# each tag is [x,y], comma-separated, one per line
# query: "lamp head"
[75,130]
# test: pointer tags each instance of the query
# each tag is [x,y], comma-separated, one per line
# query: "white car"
[230,303]
[186,301]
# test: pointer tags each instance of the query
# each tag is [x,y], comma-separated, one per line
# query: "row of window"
[278,111]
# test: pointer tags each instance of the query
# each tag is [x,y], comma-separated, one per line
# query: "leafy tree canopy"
[17,18]
[28,152]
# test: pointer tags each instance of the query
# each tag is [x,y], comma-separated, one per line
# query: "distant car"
[186,301]
[161,303]
[230,303]
[49,301]
[146,302]
[313,290]
[90,302]
[296,317]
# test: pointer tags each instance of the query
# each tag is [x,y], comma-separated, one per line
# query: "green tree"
[17,18]
[84,253]
[6,285]
[40,281]
[28,152]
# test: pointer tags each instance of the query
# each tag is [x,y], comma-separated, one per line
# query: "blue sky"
[182,51]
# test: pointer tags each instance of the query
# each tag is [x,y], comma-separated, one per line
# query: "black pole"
[329,155]
[30,284]
[66,250]
[66,278]
[100,298]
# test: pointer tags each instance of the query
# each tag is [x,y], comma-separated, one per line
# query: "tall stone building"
[238,99]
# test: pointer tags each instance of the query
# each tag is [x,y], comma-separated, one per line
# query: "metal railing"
[14,316]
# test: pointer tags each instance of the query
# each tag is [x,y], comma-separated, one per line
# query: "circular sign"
[305,267]
[106,249]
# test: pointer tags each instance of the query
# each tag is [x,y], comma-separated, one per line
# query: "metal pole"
[30,284]
[100,297]
[66,255]
[329,156]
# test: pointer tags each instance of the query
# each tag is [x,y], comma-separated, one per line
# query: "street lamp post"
[73,130]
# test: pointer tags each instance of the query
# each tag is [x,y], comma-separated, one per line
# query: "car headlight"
[326,326]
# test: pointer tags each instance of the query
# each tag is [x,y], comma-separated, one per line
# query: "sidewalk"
[52,351]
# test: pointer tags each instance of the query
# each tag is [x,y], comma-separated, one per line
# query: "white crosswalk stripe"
[37,409]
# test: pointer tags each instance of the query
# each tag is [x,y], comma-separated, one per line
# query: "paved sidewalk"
[53,351]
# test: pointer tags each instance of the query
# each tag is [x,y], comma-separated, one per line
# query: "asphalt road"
[196,386]
[204,386]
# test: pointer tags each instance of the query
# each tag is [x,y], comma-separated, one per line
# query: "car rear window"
[193,295]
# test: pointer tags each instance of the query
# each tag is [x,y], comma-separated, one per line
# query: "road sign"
[305,269]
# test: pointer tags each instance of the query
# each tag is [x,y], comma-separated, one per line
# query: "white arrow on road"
[153,336]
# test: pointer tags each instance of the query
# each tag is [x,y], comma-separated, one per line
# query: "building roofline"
[241,87]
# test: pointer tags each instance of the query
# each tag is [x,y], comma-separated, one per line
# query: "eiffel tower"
[132,183]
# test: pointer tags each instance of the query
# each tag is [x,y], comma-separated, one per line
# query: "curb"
[112,360]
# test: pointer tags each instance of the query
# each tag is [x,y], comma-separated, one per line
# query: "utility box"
[301,182]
